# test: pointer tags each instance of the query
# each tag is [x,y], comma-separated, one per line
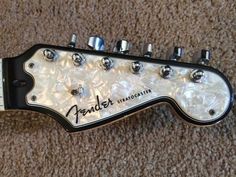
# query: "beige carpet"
[150,143]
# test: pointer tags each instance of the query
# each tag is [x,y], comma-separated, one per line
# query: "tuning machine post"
[167,71]
[50,55]
[136,66]
[123,47]
[197,75]
[77,91]
[176,54]
[78,59]
[98,43]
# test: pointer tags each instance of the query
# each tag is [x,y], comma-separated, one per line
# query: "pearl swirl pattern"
[110,92]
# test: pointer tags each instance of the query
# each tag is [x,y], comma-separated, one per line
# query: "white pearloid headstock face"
[93,87]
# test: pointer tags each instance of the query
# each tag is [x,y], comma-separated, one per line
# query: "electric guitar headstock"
[86,88]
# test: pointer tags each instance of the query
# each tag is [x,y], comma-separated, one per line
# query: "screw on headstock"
[33,98]
[31,65]
[78,91]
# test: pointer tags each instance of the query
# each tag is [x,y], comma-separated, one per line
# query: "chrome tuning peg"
[166,72]
[122,46]
[73,41]
[107,63]
[50,55]
[136,67]
[197,75]
[96,43]
[147,50]
[177,53]
[78,59]
[205,57]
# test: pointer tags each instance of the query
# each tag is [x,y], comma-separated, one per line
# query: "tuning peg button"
[177,53]
[205,57]
[73,41]
[122,46]
[96,43]
[197,75]
[78,91]
[147,50]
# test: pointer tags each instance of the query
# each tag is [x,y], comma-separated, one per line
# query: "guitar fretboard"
[1,89]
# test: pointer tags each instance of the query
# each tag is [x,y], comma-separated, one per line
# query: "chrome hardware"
[78,59]
[73,41]
[147,50]
[177,53]
[136,67]
[205,57]
[96,43]
[79,91]
[122,46]
[50,55]
[197,75]
[106,63]
[166,72]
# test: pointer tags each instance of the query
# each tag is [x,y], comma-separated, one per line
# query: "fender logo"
[97,107]
[77,112]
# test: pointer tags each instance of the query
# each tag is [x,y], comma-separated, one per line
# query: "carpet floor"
[153,142]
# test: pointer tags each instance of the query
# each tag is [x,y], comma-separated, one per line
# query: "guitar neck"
[2,107]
